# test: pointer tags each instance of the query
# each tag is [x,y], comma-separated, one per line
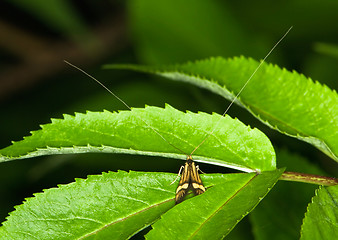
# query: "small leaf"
[232,144]
[213,214]
[321,219]
[286,101]
[327,49]
[108,206]
[281,213]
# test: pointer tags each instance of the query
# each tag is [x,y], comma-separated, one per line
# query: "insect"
[190,179]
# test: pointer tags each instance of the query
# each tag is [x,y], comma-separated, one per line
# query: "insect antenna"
[125,104]
[240,91]
[190,179]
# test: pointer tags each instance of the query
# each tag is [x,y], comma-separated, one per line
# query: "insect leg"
[198,169]
[178,175]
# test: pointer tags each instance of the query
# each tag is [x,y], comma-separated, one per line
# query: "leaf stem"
[309,178]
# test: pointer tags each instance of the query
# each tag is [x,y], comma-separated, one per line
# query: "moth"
[190,180]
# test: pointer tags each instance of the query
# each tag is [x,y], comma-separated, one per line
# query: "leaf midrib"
[177,137]
[124,218]
[215,212]
[247,105]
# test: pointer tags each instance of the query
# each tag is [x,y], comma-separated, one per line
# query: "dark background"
[35,84]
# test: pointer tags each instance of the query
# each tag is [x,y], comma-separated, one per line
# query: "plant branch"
[309,178]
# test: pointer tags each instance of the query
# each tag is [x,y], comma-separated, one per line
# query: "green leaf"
[321,219]
[108,206]
[286,101]
[327,49]
[232,144]
[215,213]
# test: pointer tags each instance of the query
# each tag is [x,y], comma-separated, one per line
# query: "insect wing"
[195,180]
[184,184]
